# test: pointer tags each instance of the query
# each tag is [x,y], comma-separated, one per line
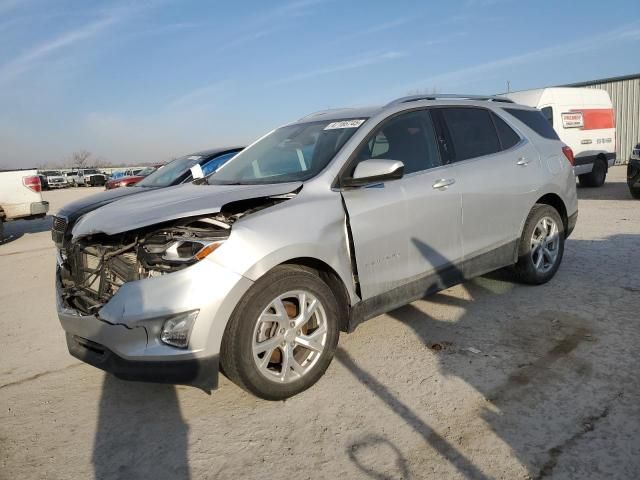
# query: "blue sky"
[152,79]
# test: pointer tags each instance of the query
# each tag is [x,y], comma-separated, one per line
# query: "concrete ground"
[489,379]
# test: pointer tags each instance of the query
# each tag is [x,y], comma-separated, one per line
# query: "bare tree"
[101,162]
[80,159]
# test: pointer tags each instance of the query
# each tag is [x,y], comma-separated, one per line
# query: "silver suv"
[316,227]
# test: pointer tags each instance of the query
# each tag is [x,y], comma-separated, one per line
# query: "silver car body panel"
[401,231]
[170,203]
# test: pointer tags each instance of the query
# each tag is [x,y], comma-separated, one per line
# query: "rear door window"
[535,120]
[471,131]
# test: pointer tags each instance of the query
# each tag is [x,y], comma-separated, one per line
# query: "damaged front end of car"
[96,266]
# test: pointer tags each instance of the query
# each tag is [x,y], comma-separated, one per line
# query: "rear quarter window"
[534,119]
[508,138]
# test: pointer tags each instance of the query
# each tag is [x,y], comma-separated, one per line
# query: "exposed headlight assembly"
[181,251]
[190,250]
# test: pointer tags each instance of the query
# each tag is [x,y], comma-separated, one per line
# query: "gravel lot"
[551,392]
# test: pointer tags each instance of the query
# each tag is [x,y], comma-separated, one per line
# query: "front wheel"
[541,245]
[282,335]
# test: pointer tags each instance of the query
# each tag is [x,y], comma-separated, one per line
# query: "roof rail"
[438,96]
[320,112]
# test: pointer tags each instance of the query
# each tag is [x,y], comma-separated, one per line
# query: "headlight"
[189,250]
[178,246]
[179,252]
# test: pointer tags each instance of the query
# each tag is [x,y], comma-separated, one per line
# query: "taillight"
[569,154]
[32,182]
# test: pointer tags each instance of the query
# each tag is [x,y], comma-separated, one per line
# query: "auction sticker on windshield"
[344,124]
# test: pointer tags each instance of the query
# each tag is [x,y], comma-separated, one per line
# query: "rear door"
[404,230]
[497,171]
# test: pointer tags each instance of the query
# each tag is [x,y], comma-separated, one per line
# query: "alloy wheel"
[289,337]
[545,244]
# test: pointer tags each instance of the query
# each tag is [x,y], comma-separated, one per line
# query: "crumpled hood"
[170,203]
[71,211]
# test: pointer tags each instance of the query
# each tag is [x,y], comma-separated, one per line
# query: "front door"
[407,229]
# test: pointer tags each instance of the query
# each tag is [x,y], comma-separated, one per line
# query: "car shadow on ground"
[609,191]
[18,228]
[538,367]
[540,397]
[140,433]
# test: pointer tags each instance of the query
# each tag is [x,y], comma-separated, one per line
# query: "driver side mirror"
[372,171]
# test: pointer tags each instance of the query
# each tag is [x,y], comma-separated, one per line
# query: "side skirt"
[433,282]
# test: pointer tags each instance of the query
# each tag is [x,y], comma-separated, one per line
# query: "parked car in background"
[316,227]
[584,119]
[130,180]
[20,196]
[132,172]
[175,172]
[115,175]
[90,177]
[633,172]
[70,178]
[43,182]
[87,177]
[54,179]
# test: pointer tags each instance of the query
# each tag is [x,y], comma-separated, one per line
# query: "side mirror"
[372,171]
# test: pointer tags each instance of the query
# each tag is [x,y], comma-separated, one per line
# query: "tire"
[596,177]
[635,192]
[529,269]
[272,381]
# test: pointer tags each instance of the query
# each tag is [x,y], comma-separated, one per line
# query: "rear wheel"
[596,177]
[282,335]
[541,245]
[635,192]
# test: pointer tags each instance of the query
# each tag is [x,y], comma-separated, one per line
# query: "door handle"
[444,183]
[522,161]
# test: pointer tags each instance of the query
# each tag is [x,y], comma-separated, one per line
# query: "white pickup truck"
[20,196]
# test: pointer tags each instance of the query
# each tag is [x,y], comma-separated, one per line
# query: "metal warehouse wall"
[625,95]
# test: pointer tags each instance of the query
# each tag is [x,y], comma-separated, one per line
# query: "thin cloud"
[30,58]
[365,61]
[382,27]
[269,22]
[199,96]
[627,33]
[249,37]
[8,5]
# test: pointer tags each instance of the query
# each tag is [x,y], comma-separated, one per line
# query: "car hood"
[73,210]
[171,203]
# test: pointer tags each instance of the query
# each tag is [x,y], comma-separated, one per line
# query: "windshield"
[51,173]
[165,176]
[291,153]
[90,172]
